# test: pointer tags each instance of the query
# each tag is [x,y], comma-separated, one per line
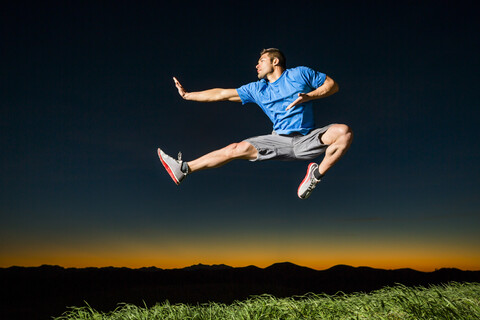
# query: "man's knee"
[240,150]
[343,130]
[338,133]
[347,133]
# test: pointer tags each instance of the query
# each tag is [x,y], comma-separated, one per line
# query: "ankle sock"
[317,175]
[184,167]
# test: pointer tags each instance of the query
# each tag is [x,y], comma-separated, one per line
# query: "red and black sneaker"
[309,182]
[173,166]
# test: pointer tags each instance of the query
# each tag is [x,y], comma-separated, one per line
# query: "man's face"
[264,66]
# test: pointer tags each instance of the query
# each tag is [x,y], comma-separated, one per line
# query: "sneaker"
[173,166]
[309,182]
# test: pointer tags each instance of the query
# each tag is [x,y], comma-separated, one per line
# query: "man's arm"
[211,95]
[328,88]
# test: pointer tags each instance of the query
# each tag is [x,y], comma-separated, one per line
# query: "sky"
[87,97]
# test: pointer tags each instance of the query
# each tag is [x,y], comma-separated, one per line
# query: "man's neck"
[277,72]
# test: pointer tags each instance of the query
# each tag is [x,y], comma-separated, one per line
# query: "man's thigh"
[311,145]
[272,147]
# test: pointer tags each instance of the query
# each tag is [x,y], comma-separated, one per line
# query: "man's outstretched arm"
[328,88]
[210,95]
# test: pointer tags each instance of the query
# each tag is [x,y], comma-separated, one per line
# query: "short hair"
[276,53]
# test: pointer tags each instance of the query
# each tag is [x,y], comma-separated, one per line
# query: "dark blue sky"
[87,96]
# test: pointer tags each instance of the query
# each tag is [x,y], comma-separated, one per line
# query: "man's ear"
[275,61]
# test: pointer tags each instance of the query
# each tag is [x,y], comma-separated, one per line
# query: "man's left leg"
[178,169]
[338,137]
[218,158]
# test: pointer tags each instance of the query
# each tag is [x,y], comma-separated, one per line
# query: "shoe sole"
[167,167]
[303,181]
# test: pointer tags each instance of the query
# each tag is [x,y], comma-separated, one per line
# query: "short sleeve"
[313,78]
[246,92]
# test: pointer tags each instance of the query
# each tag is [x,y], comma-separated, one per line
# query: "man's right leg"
[178,169]
[218,158]
[338,137]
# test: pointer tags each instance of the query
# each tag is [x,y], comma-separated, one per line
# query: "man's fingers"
[180,88]
[294,103]
[178,85]
[302,97]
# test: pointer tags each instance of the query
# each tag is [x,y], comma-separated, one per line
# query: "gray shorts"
[289,147]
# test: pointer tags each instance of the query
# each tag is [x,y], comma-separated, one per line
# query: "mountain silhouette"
[46,291]
[207,267]
[287,267]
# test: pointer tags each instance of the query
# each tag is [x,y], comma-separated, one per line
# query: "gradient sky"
[87,96]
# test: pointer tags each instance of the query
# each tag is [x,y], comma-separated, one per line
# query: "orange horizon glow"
[318,251]
[381,259]
[82,264]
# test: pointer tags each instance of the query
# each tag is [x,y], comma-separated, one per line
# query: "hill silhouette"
[46,291]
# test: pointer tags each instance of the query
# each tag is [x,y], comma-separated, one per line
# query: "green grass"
[453,301]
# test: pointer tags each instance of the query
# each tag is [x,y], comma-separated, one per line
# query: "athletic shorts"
[289,147]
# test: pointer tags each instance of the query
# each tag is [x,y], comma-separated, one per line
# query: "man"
[285,95]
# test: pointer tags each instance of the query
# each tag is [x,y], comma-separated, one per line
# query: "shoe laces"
[313,183]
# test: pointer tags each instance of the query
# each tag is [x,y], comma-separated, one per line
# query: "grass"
[453,301]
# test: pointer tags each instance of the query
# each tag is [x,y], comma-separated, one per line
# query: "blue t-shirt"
[275,97]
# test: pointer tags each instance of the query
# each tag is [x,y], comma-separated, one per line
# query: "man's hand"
[181,91]
[328,88]
[302,98]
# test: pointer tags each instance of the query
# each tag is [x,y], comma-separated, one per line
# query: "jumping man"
[285,95]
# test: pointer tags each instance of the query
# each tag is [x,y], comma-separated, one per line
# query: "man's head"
[270,59]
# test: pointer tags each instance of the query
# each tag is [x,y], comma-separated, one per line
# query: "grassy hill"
[449,301]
